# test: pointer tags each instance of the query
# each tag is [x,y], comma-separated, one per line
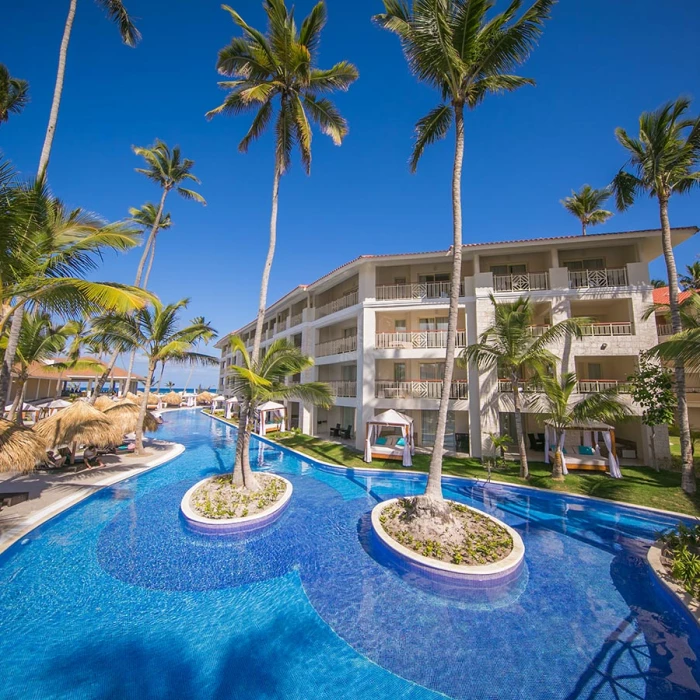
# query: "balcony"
[295,320]
[337,346]
[664,329]
[339,304]
[342,388]
[538,331]
[597,279]
[417,340]
[608,329]
[585,386]
[282,326]
[420,290]
[419,389]
[525,282]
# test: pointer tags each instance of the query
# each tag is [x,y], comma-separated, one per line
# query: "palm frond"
[429,129]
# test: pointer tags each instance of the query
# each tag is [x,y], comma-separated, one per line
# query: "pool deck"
[51,493]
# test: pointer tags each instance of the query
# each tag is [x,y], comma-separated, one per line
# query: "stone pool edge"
[669,584]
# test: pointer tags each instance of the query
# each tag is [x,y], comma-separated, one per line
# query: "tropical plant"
[510,346]
[500,445]
[652,390]
[154,331]
[279,67]
[454,47]
[145,218]
[130,36]
[586,204]
[14,94]
[659,284]
[663,161]
[79,339]
[254,383]
[169,385]
[691,280]
[563,411]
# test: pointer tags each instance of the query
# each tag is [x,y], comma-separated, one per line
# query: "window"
[519,269]
[438,277]
[433,324]
[400,325]
[429,425]
[594,370]
[588,264]
[349,373]
[432,371]
[399,371]
[349,332]
[399,280]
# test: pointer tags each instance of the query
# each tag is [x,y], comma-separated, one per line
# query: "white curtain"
[283,420]
[229,408]
[261,423]
[615,472]
[368,443]
[562,438]
[407,462]
[546,444]
[588,438]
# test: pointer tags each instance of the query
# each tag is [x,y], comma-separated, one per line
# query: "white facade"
[376,329]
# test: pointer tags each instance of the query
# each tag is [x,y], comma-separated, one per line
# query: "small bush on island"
[217,498]
[476,540]
[681,554]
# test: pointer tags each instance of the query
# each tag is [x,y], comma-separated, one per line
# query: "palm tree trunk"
[654,462]
[142,409]
[103,378]
[59,392]
[160,378]
[433,490]
[16,410]
[519,435]
[243,476]
[583,228]
[10,354]
[557,471]
[58,90]
[688,472]
[150,262]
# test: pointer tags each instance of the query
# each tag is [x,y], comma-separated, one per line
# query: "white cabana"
[270,417]
[399,447]
[189,400]
[25,408]
[54,406]
[586,455]
[230,403]
[217,403]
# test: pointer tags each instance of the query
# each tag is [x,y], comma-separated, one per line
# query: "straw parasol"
[125,415]
[172,399]
[20,448]
[81,423]
[103,403]
[132,397]
[205,397]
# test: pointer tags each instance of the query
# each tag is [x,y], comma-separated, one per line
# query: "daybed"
[387,448]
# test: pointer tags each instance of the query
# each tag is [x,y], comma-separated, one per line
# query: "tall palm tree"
[169,385]
[145,218]
[658,284]
[155,331]
[586,204]
[130,36]
[14,94]
[691,280]
[558,401]
[663,161]
[279,68]
[256,382]
[454,47]
[510,346]
[79,334]
[46,254]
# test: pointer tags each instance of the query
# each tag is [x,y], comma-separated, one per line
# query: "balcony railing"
[420,290]
[337,346]
[525,282]
[282,325]
[594,279]
[295,320]
[664,329]
[537,331]
[608,329]
[331,307]
[419,389]
[341,387]
[417,339]
[585,386]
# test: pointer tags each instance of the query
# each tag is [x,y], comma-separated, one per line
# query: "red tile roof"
[661,295]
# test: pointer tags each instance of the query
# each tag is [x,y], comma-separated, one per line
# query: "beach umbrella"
[133,397]
[56,404]
[125,415]
[26,408]
[80,423]
[205,397]
[20,448]
[172,399]
[102,403]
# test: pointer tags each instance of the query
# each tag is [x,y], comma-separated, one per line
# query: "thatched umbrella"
[20,448]
[205,397]
[172,399]
[81,423]
[132,397]
[102,403]
[125,414]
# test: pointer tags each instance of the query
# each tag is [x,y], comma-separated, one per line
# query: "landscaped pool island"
[119,597]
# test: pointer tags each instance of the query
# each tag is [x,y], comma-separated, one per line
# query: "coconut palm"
[145,218]
[563,408]
[80,340]
[658,284]
[510,346]
[279,68]
[130,35]
[155,331]
[586,204]
[663,161]
[454,47]
[254,383]
[691,280]
[170,386]
[14,94]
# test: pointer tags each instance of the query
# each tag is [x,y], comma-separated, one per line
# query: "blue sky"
[599,64]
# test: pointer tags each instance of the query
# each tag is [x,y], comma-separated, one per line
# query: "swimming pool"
[116,598]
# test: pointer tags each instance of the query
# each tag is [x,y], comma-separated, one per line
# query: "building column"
[366,364]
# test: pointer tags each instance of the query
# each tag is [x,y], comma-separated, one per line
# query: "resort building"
[376,328]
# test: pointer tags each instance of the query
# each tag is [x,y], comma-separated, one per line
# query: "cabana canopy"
[402,449]
[590,430]
[229,406]
[217,402]
[81,423]
[271,417]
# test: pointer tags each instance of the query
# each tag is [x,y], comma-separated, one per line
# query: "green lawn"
[640,486]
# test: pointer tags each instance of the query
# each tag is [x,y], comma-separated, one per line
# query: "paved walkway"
[50,493]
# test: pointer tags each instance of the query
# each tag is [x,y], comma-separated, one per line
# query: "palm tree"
[558,401]
[14,94]
[130,36]
[510,346]
[169,385]
[691,280]
[280,67]
[663,161]
[452,46]
[658,284]
[79,334]
[145,218]
[585,206]
[154,330]
[47,251]
[256,382]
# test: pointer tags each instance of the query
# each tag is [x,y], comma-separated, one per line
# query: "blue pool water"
[116,598]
